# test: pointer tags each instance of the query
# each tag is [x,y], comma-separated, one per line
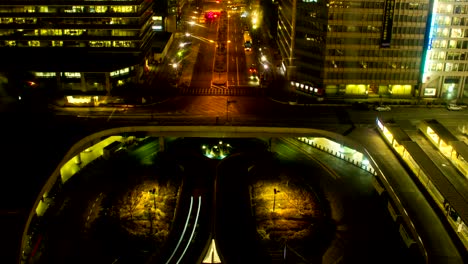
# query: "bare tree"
[302,201]
[130,202]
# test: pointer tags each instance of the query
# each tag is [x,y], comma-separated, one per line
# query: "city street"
[355,221]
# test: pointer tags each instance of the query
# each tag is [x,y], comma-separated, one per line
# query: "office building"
[77,44]
[445,73]
[374,48]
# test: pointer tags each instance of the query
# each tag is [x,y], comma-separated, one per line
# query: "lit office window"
[6,32]
[413,6]
[121,32]
[441,55]
[29,9]
[43,9]
[51,32]
[73,32]
[123,9]
[98,9]
[453,44]
[122,44]
[120,72]
[456,33]
[100,44]
[34,43]
[440,43]
[448,66]
[45,74]
[442,32]
[10,43]
[20,20]
[6,20]
[444,9]
[74,9]
[56,43]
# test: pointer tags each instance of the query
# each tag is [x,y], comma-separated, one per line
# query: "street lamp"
[175,66]
[274,198]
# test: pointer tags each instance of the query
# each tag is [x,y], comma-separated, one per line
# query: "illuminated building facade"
[79,44]
[446,60]
[367,48]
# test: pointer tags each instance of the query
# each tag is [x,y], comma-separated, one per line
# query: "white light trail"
[183,232]
[193,230]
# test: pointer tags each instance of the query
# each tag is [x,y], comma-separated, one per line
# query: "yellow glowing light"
[79,100]
[212,255]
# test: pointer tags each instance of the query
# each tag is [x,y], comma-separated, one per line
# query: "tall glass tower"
[445,73]
[359,48]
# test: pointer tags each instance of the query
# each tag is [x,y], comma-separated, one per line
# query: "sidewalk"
[188,66]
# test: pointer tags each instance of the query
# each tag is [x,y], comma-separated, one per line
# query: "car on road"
[382,108]
[454,107]
[253,68]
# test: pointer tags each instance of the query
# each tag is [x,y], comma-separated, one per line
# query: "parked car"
[382,108]
[454,107]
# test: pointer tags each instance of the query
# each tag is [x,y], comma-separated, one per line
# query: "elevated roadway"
[426,230]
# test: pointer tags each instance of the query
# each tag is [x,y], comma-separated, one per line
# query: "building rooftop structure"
[455,194]
[440,129]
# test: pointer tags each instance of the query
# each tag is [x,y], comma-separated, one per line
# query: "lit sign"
[79,100]
[120,72]
[72,74]
[387,23]
[430,92]
[45,74]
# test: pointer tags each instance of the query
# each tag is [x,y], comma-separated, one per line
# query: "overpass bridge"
[407,206]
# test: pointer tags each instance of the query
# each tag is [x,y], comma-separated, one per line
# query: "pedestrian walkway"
[188,66]
[248,91]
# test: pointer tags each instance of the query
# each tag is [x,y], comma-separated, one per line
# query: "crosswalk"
[221,91]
